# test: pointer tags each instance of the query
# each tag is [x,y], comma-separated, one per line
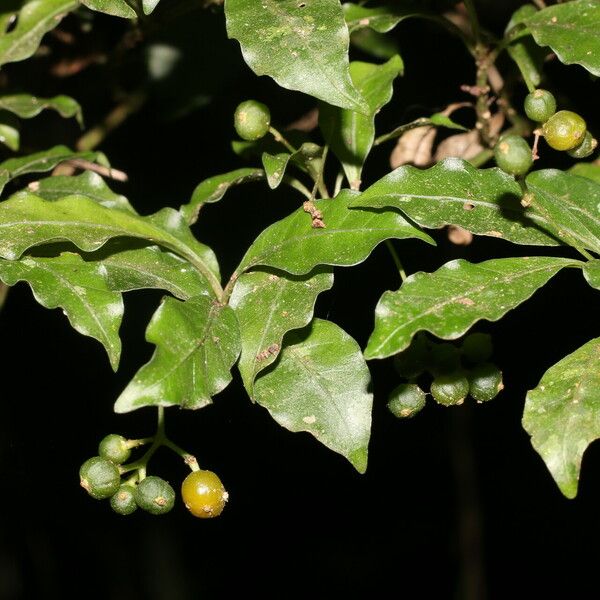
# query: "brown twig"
[68,167]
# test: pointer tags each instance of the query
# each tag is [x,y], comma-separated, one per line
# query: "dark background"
[455,503]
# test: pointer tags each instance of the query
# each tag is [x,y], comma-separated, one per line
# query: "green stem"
[319,183]
[396,259]
[401,130]
[279,138]
[481,158]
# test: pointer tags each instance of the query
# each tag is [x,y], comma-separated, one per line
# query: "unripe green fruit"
[485,381]
[477,347]
[155,495]
[513,155]
[203,494]
[99,477]
[564,130]
[450,389]
[114,447]
[540,105]
[123,502]
[586,148]
[252,120]
[406,400]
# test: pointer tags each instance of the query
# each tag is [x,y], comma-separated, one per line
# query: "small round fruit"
[114,447]
[203,494]
[586,148]
[564,130]
[485,381]
[477,347]
[513,155]
[450,389]
[252,120]
[99,477]
[155,495]
[123,502]
[406,400]
[540,105]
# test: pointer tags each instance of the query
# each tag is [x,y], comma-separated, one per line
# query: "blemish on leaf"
[309,420]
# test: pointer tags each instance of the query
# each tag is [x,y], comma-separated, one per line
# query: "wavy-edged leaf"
[347,239]
[197,343]
[10,132]
[562,414]
[453,192]
[116,8]
[351,134]
[571,30]
[268,305]
[589,170]
[35,19]
[320,384]
[450,300]
[591,272]
[27,106]
[570,203]
[303,46]
[381,19]
[79,288]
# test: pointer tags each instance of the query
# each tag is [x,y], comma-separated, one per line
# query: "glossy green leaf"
[79,288]
[570,203]
[381,19]
[450,300]
[589,170]
[377,45]
[320,384]
[197,343]
[10,134]
[275,166]
[303,46]
[591,272]
[116,8]
[35,19]
[453,192]
[348,238]
[351,134]
[27,106]
[562,414]
[268,305]
[571,30]
[149,5]
[27,220]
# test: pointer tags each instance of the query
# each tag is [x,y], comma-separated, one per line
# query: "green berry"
[99,477]
[123,502]
[564,130]
[114,448]
[414,360]
[155,495]
[513,155]
[586,148]
[540,105]
[445,358]
[203,494]
[477,347]
[485,381]
[450,389]
[252,120]
[406,400]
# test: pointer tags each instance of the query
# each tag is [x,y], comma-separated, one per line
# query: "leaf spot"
[310,419]
[466,301]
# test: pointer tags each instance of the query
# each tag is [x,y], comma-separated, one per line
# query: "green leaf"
[267,306]
[381,19]
[377,45]
[320,384]
[79,288]
[214,188]
[197,343]
[35,19]
[571,204]
[149,5]
[116,8]
[26,106]
[303,46]
[10,134]
[453,192]
[441,120]
[589,170]
[571,30]
[351,134]
[275,166]
[591,272]
[450,300]
[562,414]
[349,236]
[27,220]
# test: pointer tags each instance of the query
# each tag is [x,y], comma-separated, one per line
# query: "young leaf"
[275,166]
[450,300]
[116,8]
[349,133]
[79,288]
[381,19]
[571,30]
[302,45]
[267,306]
[562,414]
[570,204]
[347,239]
[453,192]
[591,272]
[197,343]
[149,5]
[320,384]
[589,170]
[35,19]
